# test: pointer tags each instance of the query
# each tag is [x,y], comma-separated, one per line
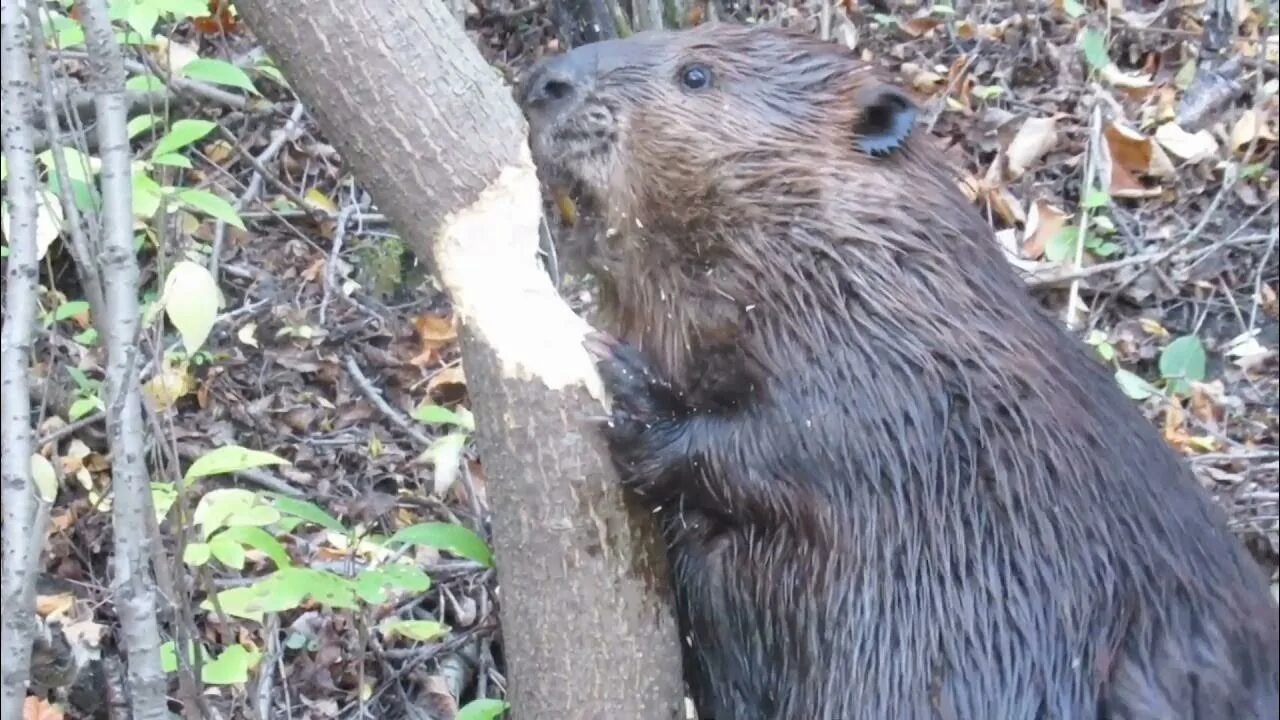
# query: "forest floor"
[332,339]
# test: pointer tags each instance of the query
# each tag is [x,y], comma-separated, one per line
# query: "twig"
[22,269]
[134,589]
[371,393]
[81,249]
[1257,280]
[339,234]
[180,84]
[70,428]
[255,185]
[266,679]
[1087,184]
[1151,259]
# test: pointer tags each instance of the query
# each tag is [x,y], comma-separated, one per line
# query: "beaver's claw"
[640,396]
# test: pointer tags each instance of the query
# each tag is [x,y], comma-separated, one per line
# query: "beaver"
[891,485]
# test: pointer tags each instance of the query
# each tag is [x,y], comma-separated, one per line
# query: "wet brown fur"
[893,487]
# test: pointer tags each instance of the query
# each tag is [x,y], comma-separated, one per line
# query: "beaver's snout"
[558,84]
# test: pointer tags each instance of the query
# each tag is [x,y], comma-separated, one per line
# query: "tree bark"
[132,583]
[588,626]
[22,270]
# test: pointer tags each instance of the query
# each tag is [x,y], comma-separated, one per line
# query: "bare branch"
[133,584]
[19,329]
[85,255]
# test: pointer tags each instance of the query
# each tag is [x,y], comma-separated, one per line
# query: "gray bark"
[22,270]
[427,126]
[132,583]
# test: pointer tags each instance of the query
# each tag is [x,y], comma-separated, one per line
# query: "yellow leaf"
[1035,138]
[44,477]
[1152,327]
[191,300]
[320,201]
[168,386]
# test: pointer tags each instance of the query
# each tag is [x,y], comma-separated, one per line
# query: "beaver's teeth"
[568,208]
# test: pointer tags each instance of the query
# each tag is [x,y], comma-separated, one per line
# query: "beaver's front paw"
[641,398]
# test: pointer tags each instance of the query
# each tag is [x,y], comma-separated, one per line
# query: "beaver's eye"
[696,77]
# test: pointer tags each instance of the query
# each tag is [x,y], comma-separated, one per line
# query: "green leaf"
[82,381]
[173,160]
[987,92]
[196,554]
[309,512]
[219,72]
[1094,45]
[227,551]
[181,134]
[232,507]
[419,630]
[163,496]
[1073,8]
[229,459]
[1096,199]
[231,667]
[258,539]
[440,415]
[191,300]
[1106,249]
[272,72]
[80,166]
[147,196]
[1182,361]
[252,601]
[375,585]
[63,32]
[87,337]
[482,709]
[1062,246]
[84,407]
[140,15]
[168,657]
[144,83]
[208,203]
[140,124]
[1249,172]
[1134,386]
[446,536]
[70,309]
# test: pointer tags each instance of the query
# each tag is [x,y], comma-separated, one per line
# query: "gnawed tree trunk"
[428,127]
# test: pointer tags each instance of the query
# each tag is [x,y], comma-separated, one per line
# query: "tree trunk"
[426,124]
[22,268]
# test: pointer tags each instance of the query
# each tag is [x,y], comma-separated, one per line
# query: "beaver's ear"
[887,116]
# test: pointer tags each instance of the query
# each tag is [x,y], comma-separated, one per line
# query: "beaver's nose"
[559,81]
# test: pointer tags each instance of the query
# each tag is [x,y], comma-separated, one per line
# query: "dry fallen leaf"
[51,606]
[1136,153]
[1191,147]
[1044,222]
[448,376]
[1251,125]
[171,55]
[1035,138]
[921,25]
